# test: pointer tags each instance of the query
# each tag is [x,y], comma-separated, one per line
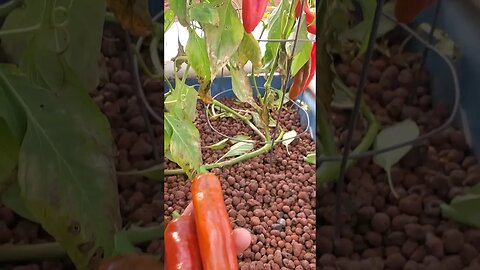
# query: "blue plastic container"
[461,21]
[219,85]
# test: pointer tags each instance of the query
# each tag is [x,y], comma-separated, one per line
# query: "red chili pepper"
[407,10]
[181,245]
[309,16]
[313,65]
[252,13]
[299,80]
[214,230]
[129,262]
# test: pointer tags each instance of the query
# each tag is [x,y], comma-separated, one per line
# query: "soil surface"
[381,231]
[141,200]
[272,195]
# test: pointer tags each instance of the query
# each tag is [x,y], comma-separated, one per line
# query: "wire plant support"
[346,153]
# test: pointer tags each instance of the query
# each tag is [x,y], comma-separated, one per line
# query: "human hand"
[241,236]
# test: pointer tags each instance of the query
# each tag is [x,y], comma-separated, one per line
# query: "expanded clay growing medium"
[272,195]
[381,231]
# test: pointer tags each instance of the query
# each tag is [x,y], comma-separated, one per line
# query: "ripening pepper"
[252,13]
[309,16]
[300,83]
[299,80]
[214,230]
[313,65]
[181,245]
[407,10]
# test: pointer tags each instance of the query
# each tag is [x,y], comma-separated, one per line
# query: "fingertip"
[188,210]
[242,239]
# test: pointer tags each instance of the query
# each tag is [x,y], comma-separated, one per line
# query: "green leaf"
[204,13]
[79,42]
[401,132]
[238,149]
[310,158]
[302,49]
[123,245]
[167,130]
[368,7]
[361,31]
[240,137]
[155,173]
[182,101]
[464,208]
[326,76]
[249,50]
[197,55]
[180,9]
[66,157]
[13,200]
[219,145]
[442,41]
[223,40]
[276,23]
[9,149]
[343,98]
[288,138]
[184,144]
[241,85]
[168,19]
[256,119]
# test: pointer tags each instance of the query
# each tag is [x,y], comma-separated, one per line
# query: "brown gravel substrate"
[382,232]
[272,195]
[141,200]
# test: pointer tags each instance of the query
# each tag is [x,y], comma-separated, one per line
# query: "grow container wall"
[460,20]
[221,84]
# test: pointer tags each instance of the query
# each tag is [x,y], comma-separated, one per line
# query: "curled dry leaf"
[133,15]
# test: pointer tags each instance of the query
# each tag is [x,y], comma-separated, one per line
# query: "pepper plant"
[220,37]
[57,151]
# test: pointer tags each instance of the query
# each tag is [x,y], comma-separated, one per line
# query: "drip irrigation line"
[139,93]
[450,119]
[146,109]
[143,98]
[249,141]
[353,118]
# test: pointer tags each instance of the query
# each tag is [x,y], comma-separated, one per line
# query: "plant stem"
[232,161]
[243,118]
[52,250]
[143,65]
[259,96]
[328,171]
[154,54]
[327,139]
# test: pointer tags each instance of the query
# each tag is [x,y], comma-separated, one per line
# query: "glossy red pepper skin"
[131,262]
[407,10]
[299,80]
[181,245]
[309,17]
[214,229]
[252,13]
[313,65]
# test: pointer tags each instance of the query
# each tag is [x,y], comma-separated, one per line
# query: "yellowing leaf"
[133,15]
